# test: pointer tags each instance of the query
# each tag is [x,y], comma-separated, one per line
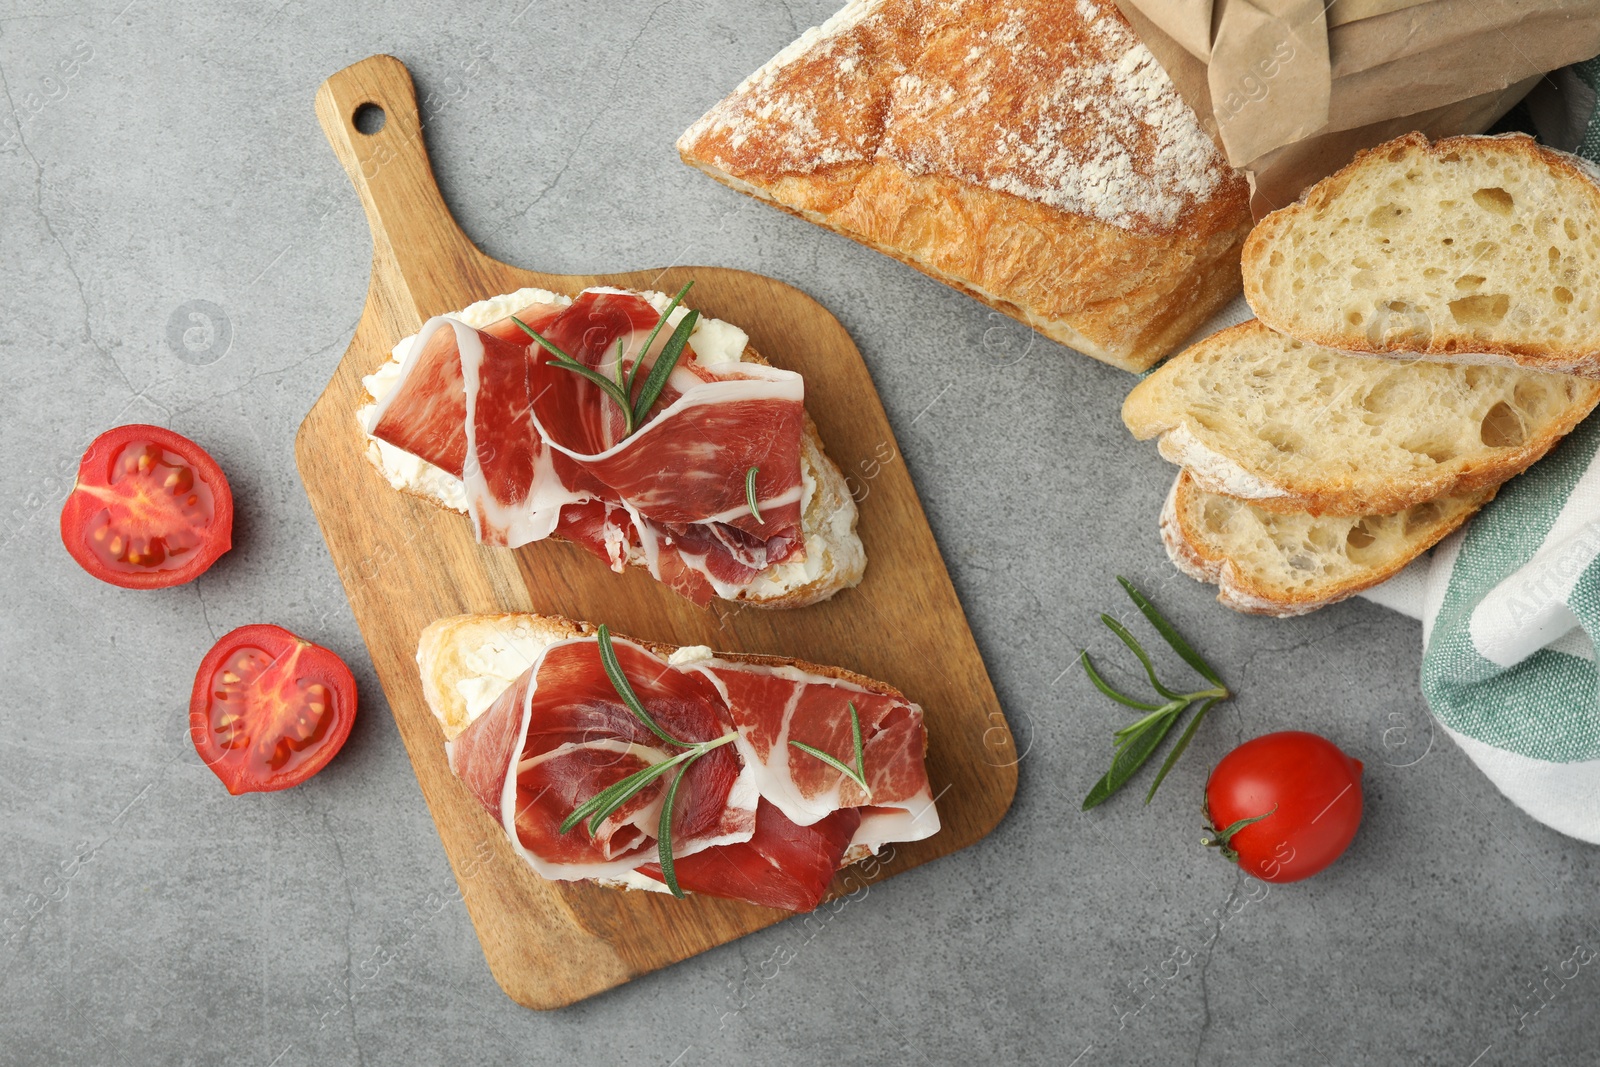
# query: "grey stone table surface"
[161,160]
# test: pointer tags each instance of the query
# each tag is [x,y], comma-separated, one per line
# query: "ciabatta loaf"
[1271,563]
[1472,250]
[1031,153]
[1291,426]
[835,559]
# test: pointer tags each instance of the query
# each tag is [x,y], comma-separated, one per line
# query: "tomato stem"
[1223,837]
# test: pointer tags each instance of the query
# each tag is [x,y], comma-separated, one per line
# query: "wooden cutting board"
[405,562]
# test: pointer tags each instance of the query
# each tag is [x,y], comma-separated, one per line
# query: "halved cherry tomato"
[1283,806]
[150,509]
[269,709]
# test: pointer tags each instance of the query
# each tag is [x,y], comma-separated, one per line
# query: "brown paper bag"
[1293,90]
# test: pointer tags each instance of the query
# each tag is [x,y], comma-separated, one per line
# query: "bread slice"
[1290,426]
[1471,250]
[1268,563]
[1032,154]
[466,661]
[835,558]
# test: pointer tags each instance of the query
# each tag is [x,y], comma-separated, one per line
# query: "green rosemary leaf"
[545,343]
[847,771]
[1177,749]
[1138,741]
[618,791]
[606,385]
[750,493]
[650,340]
[626,789]
[669,874]
[1100,684]
[858,773]
[861,752]
[1129,759]
[1138,650]
[566,362]
[619,682]
[1179,645]
[1168,708]
[624,380]
[661,370]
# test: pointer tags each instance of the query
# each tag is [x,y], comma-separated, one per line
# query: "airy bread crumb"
[1296,427]
[1473,249]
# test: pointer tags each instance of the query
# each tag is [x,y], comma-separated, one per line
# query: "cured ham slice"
[426,413]
[772,706]
[755,819]
[561,734]
[781,866]
[544,451]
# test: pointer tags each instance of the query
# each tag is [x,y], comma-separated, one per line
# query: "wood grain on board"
[405,562]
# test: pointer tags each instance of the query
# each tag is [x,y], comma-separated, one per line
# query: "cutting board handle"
[414,236]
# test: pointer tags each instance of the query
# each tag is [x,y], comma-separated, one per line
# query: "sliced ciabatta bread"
[1292,426]
[468,660]
[1270,563]
[834,556]
[1472,249]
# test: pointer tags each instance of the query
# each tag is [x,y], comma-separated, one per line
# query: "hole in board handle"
[368,119]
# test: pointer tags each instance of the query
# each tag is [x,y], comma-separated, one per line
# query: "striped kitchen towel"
[1510,606]
[1510,610]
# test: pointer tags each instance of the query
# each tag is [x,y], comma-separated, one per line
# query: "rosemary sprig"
[600,807]
[621,390]
[661,370]
[1136,743]
[858,773]
[750,493]
[662,321]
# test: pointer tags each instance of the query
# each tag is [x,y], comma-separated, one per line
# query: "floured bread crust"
[1029,152]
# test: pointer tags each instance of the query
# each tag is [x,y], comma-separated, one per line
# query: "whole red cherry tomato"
[269,709]
[1284,806]
[150,509]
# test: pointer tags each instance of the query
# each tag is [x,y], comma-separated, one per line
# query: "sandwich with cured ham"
[680,770]
[629,424]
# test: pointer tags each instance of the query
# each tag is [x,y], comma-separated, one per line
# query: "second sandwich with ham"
[646,766]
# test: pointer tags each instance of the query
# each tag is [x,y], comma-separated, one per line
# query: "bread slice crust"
[1268,563]
[1525,293]
[1294,427]
[940,137]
